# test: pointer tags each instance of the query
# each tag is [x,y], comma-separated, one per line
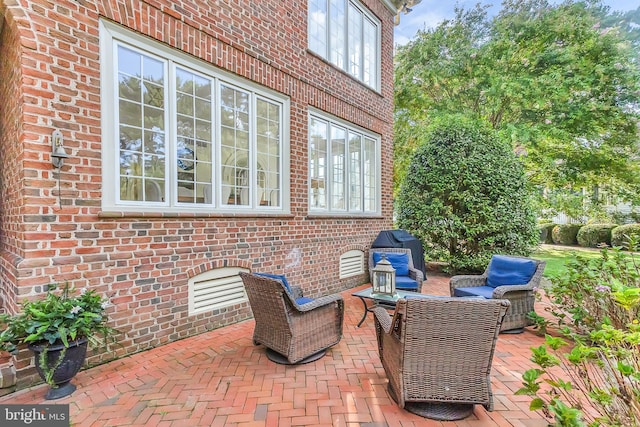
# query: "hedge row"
[591,235]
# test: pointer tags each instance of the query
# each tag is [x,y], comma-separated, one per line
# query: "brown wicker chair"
[414,273]
[295,333]
[437,353]
[522,297]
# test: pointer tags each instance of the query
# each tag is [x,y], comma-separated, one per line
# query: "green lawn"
[556,257]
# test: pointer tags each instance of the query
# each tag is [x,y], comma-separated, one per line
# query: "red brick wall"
[11,156]
[50,56]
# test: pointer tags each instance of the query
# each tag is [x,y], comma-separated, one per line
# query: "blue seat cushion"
[399,261]
[280,277]
[406,282]
[476,291]
[303,300]
[505,270]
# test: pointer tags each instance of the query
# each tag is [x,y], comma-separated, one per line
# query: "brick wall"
[11,138]
[50,74]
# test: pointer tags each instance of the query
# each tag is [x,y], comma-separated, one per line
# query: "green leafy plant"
[625,236]
[595,235]
[565,234]
[61,317]
[466,196]
[594,310]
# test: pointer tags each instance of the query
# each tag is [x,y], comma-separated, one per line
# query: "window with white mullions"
[344,33]
[234,141]
[190,137]
[343,168]
[268,144]
[142,130]
[318,137]
[194,137]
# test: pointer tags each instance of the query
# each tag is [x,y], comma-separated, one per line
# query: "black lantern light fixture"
[384,278]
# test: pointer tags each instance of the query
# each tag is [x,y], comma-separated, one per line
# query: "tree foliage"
[465,196]
[554,80]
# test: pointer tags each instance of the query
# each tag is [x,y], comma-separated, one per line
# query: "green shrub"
[465,196]
[565,234]
[595,308]
[594,235]
[621,235]
[545,229]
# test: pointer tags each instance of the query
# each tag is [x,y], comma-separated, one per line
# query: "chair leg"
[278,358]
[513,331]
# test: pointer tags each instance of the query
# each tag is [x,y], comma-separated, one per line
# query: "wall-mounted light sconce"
[58,154]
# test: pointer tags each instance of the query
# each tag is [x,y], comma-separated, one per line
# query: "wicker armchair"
[522,297]
[437,353]
[414,273]
[292,332]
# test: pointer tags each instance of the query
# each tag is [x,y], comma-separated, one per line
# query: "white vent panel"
[351,263]
[216,289]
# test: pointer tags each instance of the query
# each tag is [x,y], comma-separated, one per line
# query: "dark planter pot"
[65,366]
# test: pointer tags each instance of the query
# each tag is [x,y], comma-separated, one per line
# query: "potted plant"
[58,328]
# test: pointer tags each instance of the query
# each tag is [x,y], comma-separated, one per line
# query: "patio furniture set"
[436,351]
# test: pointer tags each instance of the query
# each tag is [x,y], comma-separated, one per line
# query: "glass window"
[318,26]
[141,95]
[188,138]
[345,34]
[318,136]
[338,168]
[351,158]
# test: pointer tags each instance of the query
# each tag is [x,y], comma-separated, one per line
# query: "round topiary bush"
[545,232]
[465,196]
[565,234]
[594,235]
[626,235]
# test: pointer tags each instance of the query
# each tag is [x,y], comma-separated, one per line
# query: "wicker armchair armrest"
[466,281]
[383,317]
[296,291]
[320,302]
[500,291]
[416,275]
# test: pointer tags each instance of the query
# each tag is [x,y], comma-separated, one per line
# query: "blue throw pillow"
[399,261]
[280,277]
[505,270]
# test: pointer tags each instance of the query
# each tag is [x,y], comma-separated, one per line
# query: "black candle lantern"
[384,278]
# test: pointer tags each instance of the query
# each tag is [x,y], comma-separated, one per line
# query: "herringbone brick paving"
[220,378]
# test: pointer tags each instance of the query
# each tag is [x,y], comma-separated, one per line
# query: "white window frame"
[346,206]
[324,21]
[111,36]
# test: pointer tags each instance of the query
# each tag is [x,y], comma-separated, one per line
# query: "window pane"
[338,136]
[318,27]
[370,60]
[194,147]
[234,111]
[355,42]
[141,94]
[268,155]
[349,164]
[369,169]
[355,178]
[217,129]
[317,163]
[338,42]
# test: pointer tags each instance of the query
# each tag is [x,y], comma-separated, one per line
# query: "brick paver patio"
[221,379]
